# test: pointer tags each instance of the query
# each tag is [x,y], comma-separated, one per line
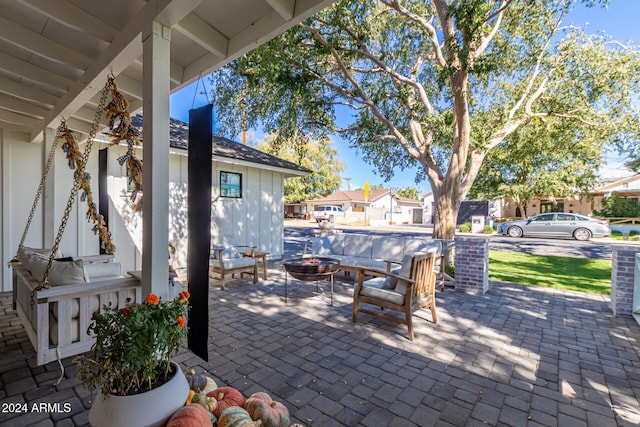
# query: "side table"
[258,256]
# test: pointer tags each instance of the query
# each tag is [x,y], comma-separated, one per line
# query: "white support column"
[49,217]
[155,219]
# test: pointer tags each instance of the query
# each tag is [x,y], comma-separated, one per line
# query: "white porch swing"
[56,297]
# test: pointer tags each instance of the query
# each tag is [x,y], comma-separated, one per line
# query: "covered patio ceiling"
[55,55]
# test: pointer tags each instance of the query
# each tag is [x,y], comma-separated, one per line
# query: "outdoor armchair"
[227,260]
[407,291]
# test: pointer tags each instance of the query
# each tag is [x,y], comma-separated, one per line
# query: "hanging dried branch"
[121,129]
[75,159]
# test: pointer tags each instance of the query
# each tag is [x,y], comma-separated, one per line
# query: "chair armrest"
[367,271]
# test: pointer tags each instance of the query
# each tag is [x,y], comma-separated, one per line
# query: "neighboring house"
[584,205]
[379,208]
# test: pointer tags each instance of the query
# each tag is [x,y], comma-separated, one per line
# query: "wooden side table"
[258,256]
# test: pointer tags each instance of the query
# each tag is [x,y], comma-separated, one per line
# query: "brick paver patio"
[516,356]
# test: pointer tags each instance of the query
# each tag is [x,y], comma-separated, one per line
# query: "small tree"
[317,155]
[618,207]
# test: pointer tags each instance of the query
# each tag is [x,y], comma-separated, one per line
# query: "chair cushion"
[373,288]
[390,282]
[239,262]
[228,252]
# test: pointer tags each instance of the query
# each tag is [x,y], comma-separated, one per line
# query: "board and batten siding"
[254,219]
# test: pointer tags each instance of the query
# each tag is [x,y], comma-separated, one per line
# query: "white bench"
[368,251]
[56,319]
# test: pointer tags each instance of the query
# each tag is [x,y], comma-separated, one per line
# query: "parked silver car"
[557,224]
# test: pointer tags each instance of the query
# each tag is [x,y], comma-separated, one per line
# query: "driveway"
[299,231]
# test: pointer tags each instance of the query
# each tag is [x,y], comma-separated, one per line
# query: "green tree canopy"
[433,83]
[317,155]
[541,160]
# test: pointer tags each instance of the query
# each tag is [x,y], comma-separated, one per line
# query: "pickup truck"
[327,213]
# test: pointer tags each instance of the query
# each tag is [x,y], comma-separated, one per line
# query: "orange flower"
[125,310]
[185,295]
[152,299]
[180,321]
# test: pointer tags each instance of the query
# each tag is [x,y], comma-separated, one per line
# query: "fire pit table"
[311,269]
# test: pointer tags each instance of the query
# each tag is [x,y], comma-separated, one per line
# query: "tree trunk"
[446,206]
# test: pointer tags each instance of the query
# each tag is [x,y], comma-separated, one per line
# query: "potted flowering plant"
[133,350]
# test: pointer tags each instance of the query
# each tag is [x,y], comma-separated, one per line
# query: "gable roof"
[357,196]
[608,184]
[226,150]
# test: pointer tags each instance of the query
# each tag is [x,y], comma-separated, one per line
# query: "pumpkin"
[226,397]
[211,385]
[236,416]
[197,382]
[190,416]
[260,406]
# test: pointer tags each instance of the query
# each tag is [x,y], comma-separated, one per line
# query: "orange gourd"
[260,406]
[226,397]
[192,415]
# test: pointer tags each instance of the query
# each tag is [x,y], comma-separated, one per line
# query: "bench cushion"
[101,270]
[388,248]
[61,272]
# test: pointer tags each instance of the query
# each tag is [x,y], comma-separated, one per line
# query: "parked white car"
[327,213]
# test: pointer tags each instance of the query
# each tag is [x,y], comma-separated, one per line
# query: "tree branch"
[425,24]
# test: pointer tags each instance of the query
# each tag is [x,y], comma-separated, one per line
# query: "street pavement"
[297,231]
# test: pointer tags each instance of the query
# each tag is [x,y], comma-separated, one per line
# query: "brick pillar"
[623,264]
[472,264]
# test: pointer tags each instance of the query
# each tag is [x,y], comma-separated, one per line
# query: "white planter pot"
[149,409]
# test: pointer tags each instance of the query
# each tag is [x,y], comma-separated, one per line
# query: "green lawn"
[576,274]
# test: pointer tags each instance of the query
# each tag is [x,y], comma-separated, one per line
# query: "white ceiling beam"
[285,8]
[11,117]
[80,126]
[25,92]
[16,128]
[129,86]
[72,16]
[124,49]
[32,72]
[24,107]
[204,34]
[40,45]
[251,37]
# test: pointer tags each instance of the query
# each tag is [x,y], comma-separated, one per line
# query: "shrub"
[488,229]
[465,228]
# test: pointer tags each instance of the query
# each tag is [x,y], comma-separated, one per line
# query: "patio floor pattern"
[515,356]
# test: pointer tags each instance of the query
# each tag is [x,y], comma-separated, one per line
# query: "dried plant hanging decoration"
[121,129]
[74,157]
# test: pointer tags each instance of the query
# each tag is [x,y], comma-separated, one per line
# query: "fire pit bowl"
[311,269]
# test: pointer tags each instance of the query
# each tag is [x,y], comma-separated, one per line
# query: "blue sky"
[619,20]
